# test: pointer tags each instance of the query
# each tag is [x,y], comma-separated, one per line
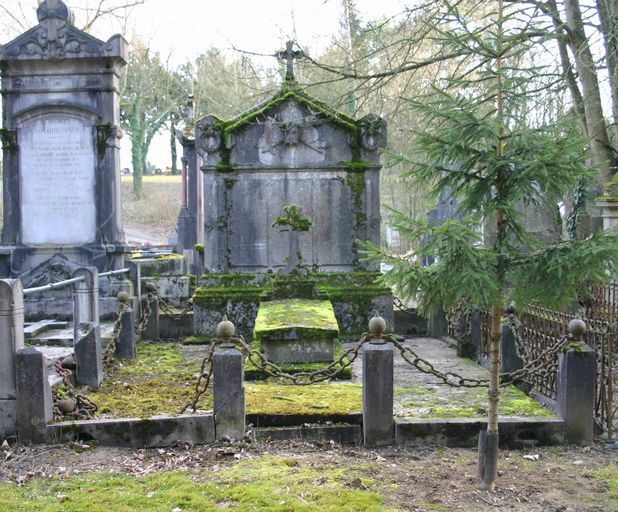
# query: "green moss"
[224,166]
[229,182]
[293,220]
[356,165]
[466,403]
[159,381]
[356,182]
[162,380]
[312,316]
[322,399]
[196,340]
[199,248]
[263,483]
[609,476]
[292,94]
[577,346]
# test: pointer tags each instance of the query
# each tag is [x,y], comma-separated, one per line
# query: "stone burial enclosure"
[63,253]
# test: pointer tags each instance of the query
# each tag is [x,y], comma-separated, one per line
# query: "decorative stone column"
[11,340]
[609,210]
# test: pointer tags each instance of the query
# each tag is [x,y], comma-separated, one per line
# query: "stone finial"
[289,54]
[510,309]
[225,330]
[377,326]
[123,297]
[577,328]
[54,9]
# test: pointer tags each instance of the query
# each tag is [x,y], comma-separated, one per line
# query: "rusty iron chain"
[453,319]
[203,381]
[516,328]
[73,404]
[271,369]
[166,309]
[147,312]
[399,304]
[544,363]
[304,378]
[110,350]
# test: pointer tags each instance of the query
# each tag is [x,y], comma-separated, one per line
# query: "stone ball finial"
[150,286]
[225,329]
[123,297]
[510,309]
[577,327]
[377,326]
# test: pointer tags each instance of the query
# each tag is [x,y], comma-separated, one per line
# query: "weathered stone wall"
[289,150]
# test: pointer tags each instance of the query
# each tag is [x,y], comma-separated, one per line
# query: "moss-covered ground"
[267,483]
[426,402]
[297,476]
[161,380]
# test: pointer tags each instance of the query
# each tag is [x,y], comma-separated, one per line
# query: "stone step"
[33,329]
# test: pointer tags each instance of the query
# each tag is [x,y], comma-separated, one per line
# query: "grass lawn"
[266,483]
[157,213]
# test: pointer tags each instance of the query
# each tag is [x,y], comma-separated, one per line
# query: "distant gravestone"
[60,93]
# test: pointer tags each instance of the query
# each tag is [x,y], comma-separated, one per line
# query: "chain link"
[516,328]
[147,312]
[77,405]
[167,310]
[203,381]
[399,304]
[453,318]
[110,350]
[260,361]
[544,364]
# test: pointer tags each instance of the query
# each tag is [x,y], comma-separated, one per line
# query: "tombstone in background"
[60,136]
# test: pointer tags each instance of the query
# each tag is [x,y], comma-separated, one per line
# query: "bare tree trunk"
[173,148]
[597,130]
[608,15]
[137,159]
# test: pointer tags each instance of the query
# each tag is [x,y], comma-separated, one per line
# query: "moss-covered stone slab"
[296,330]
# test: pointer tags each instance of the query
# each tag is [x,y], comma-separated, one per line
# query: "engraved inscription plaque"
[57,175]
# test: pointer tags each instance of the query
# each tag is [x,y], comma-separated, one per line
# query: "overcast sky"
[182,29]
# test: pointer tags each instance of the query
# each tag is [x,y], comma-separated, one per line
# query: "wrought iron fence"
[542,328]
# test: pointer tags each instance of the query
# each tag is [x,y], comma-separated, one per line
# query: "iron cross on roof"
[289,54]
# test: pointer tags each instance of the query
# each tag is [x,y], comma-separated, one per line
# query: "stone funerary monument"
[60,140]
[241,174]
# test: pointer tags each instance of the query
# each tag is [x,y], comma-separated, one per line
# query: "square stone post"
[438,326]
[11,340]
[577,375]
[34,396]
[88,356]
[510,360]
[86,299]
[378,394]
[125,344]
[228,393]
